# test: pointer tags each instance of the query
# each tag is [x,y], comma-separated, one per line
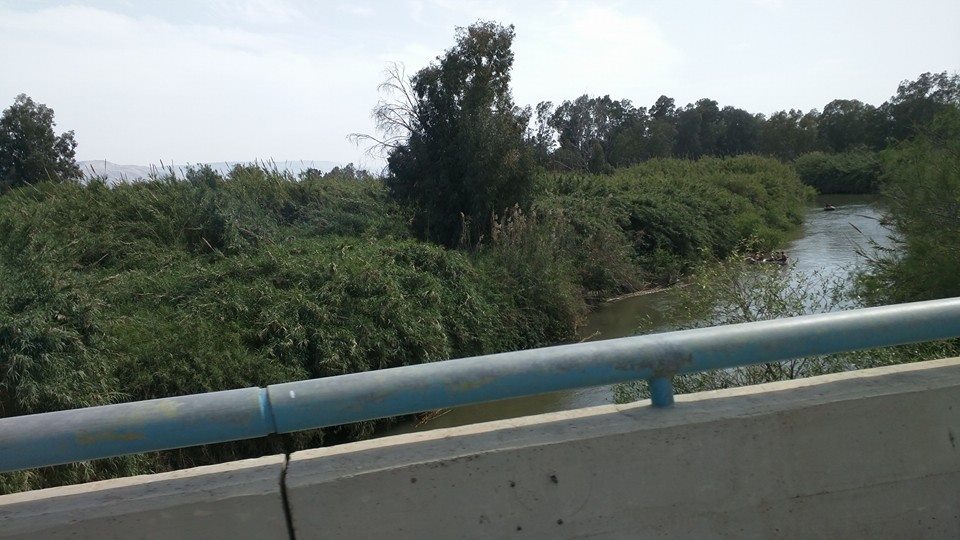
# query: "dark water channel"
[827,243]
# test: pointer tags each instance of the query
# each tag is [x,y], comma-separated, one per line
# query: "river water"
[827,243]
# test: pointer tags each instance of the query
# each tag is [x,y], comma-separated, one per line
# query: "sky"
[188,81]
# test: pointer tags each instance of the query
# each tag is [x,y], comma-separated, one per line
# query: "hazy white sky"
[227,80]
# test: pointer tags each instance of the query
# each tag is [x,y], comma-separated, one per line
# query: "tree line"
[597,134]
[207,282]
[461,151]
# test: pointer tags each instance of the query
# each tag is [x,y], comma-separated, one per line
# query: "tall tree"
[788,134]
[664,108]
[922,184]
[586,128]
[697,129]
[918,102]
[461,157]
[630,143]
[739,132]
[849,123]
[30,151]
[542,137]
[662,133]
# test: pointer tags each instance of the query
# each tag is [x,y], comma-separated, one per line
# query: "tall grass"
[179,285]
[653,222]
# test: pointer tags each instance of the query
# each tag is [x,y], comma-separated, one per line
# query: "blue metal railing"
[161,424]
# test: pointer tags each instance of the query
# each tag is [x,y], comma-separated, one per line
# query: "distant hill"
[114,172]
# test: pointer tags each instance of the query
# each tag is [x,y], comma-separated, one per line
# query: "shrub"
[922,182]
[653,221]
[847,172]
[184,285]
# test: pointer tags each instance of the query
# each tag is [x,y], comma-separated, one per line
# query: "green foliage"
[48,339]
[848,172]
[922,183]
[733,291]
[530,255]
[587,130]
[183,285]
[846,124]
[30,152]
[652,222]
[169,219]
[570,138]
[788,134]
[697,129]
[739,132]
[312,307]
[465,158]
[918,102]
[594,134]
[349,172]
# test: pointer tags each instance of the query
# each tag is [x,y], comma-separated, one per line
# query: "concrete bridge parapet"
[871,453]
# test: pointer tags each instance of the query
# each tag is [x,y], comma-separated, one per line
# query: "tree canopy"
[595,133]
[461,156]
[30,151]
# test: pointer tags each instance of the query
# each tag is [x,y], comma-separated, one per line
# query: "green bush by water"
[652,222]
[922,184]
[856,171]
[182,285]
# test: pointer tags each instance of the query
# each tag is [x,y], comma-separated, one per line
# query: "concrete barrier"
[872,453]
[241,499]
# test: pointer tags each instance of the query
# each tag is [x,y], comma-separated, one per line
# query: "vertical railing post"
[661,391]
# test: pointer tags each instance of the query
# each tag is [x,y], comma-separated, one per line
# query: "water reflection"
[829,242]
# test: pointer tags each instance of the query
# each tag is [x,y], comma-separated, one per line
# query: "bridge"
[862,453]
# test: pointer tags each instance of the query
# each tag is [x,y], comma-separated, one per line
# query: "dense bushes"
[651,222]
[176,286]
[846,172]
[922,184]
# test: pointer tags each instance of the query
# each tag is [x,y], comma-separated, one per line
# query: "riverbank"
[826,244]
[644,292]
[647,225]
[204,283]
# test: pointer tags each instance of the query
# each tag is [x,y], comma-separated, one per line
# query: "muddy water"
[828,243]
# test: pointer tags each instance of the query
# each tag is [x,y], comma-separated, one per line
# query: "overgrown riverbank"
[182,285]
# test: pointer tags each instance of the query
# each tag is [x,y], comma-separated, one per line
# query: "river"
[827,242]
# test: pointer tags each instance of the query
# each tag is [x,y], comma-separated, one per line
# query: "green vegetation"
[663,216]
[460,158]
[182,285]
[598,134]
[733,291]
[922,182]
[845,172]
[174,285]
[30,151]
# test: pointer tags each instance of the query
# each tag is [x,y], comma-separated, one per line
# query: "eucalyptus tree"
[739,132]
[30,151]
[788,134]
[455,139]
[917,102]
[849,123]
[587,128]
